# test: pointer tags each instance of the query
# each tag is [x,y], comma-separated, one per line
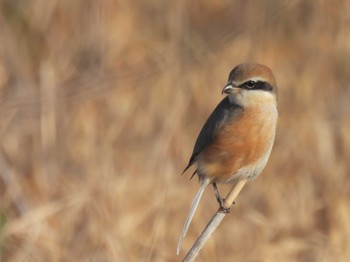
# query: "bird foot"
[224,210]
[221,201]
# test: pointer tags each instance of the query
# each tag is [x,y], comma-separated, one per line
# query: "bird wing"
[225,111]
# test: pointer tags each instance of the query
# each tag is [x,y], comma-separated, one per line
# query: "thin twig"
[214,221]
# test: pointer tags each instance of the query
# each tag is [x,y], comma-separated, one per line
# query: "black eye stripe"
[259,85]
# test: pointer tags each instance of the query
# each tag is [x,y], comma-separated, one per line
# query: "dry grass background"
[101,102]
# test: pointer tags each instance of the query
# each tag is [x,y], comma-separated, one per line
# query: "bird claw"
[224,210]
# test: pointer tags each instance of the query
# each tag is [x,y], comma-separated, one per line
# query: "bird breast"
[241,147]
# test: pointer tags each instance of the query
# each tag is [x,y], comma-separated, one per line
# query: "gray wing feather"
[225,111]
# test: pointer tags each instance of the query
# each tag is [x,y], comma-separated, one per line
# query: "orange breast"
[238,144]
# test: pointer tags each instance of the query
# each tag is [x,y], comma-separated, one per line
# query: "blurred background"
[100,106]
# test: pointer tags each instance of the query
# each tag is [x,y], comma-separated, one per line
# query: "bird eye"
[250,84]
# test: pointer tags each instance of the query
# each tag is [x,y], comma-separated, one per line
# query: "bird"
[235,142]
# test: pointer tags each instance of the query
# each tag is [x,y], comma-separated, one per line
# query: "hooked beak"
[227,89]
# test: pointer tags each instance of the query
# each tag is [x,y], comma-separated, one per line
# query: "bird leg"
[220,199]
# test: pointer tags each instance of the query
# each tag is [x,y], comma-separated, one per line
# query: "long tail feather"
[204,183]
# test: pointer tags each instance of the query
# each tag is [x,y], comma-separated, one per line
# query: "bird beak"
[227,89]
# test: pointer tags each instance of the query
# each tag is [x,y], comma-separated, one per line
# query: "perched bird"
[236,140]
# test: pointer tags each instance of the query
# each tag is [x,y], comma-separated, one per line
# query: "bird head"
[250,84]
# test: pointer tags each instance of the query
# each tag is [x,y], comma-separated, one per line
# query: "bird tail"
[204,183]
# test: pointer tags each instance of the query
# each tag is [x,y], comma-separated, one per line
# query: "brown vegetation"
[101,102]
